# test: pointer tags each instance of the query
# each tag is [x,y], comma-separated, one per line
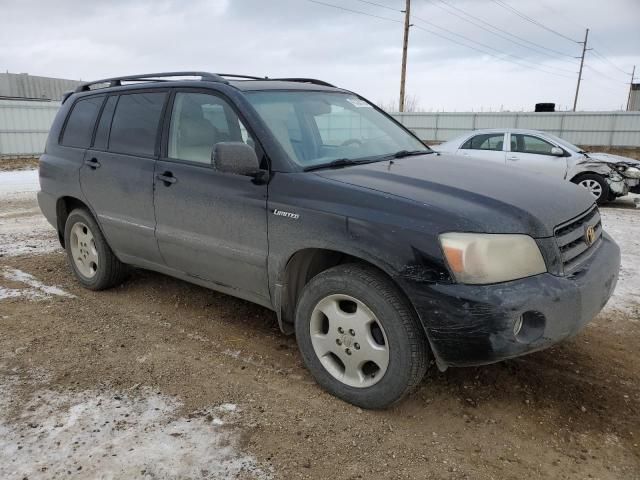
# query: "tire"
[367,315]
[594,183]
[90,257]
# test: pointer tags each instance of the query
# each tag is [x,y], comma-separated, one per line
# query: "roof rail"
[117,81]
[305,80]
[246,77]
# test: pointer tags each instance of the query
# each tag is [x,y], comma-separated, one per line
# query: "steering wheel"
[351,141]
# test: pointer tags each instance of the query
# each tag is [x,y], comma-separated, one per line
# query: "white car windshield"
[318,128]
[564,143]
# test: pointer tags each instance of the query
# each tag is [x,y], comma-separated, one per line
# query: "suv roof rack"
[117,81]
[305,80]
[241,77]
[204,76]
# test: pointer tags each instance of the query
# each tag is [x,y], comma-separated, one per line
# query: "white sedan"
[605,176]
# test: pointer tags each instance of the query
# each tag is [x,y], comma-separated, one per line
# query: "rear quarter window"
[79,128]
[134,128]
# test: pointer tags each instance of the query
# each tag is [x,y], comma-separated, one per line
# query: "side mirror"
[557,151]
[235,157]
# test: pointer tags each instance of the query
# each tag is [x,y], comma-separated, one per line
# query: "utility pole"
[633,74]
[405,43]
[584,51]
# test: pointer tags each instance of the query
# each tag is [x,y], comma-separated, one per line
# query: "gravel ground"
[162,379]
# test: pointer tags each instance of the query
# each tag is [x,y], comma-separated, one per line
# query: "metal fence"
[613,129]
[24,126]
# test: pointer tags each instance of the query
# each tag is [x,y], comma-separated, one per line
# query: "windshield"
[564,143]
[318,128]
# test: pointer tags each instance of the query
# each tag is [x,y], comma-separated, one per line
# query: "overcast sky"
[93,39]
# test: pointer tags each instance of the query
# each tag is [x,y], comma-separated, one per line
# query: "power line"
[480,23]
[602,57]
[379,5]
[531,20]
[485,45]
[604,75]
[359,12]
[488,53]
[598,41]
[484,52]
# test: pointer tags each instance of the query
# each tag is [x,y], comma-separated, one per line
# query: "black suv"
[305,198]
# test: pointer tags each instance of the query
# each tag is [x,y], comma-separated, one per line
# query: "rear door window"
[79,128]
[104,124]
[134,128]
[491,141]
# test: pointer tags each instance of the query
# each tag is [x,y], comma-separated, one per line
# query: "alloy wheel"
[349,341]
[594,187]
[83,250]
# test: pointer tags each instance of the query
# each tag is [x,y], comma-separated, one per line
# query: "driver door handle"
[167,178]
[513,158]
[93,163]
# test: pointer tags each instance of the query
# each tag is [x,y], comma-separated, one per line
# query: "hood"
[481,198]
[613,159]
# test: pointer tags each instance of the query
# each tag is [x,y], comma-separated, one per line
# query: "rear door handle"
[514,159]
[167,178]
[93,163]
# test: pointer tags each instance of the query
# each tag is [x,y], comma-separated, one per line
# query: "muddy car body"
[606,176]
[377,252]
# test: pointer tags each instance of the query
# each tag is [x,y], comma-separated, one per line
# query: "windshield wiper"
[340,162]
[410,153]
[346,162]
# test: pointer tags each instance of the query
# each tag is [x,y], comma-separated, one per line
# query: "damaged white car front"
[621,175]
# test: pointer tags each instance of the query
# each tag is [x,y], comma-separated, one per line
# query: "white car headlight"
[632,172]
[482,258]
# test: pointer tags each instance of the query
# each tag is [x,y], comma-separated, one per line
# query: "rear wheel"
[359,337]
[91,259]
[596,185]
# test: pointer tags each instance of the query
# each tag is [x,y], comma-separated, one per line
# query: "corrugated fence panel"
[24,126]
[489,120]
[617,129]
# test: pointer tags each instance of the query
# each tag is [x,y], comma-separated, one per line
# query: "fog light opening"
[529,327]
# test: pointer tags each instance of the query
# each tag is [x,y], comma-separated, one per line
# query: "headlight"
[481,258]
[632,172]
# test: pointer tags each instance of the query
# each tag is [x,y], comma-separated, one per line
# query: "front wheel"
[596,185]
[359,337]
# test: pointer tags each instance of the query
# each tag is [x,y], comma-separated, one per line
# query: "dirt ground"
[7,164]
[570,412]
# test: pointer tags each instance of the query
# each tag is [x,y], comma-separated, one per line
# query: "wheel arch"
[64,206]
[305,264]
[587,172]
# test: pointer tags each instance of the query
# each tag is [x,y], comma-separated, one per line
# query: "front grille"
[571,238]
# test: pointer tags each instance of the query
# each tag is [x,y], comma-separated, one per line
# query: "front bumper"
[632,185]
[474,325]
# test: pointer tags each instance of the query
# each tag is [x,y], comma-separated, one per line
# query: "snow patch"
[23,229]
[624,226]
[228,407]
[19,181]
[104,434]
[36,291]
